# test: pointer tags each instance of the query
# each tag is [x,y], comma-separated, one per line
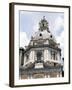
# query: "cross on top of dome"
[43,24]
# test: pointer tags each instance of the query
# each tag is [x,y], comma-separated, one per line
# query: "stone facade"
[42,57]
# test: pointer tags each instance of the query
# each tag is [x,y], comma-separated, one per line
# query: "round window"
[40,34]
[50,36]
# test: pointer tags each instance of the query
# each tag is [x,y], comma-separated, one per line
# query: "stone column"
[24,60]
[31,56]
[60,74]
[58,56]
[45,76]
[48,76]
[57,74]
[20,58]
[30,76]
[45,55]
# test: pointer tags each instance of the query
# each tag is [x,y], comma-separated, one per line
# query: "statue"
[43,24]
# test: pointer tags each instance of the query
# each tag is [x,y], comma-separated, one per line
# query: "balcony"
[52,63]
[39,61]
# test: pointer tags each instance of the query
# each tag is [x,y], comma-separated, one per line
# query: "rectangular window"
[39,56]
[27,57]
[53,55]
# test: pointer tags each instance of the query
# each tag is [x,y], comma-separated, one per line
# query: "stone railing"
[54,61]
[41,70]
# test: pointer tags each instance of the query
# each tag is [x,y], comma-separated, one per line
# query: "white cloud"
[59,32]
[35,27]
[60,39]
[59,22]
[36,24]
[23,39]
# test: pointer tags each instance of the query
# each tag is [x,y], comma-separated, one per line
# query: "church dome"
[41,35]
[43,31]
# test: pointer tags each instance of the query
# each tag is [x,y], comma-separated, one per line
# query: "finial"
[43,17]
[43,24]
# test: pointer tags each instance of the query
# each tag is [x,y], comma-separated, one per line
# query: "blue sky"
[29,24]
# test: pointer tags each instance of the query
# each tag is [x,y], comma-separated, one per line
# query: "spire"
[43,24]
